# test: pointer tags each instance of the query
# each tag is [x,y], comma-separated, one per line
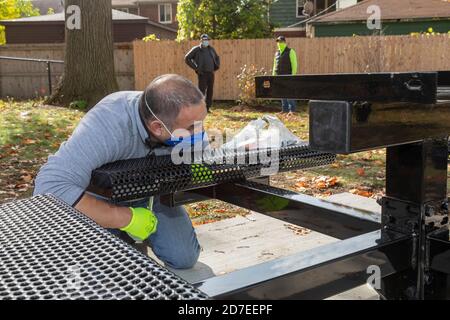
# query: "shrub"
[150,37]
[2,35]
[79,105]
[246,84]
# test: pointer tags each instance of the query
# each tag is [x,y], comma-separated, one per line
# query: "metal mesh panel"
[50,251]
[138,178]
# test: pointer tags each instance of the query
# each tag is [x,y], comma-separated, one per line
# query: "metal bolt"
[410,292]
[429,211]
[427,278]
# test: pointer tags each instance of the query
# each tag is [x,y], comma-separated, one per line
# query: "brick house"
[163,12]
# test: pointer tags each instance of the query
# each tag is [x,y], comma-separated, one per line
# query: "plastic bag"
[267,132]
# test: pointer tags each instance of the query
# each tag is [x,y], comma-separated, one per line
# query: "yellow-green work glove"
[142,225]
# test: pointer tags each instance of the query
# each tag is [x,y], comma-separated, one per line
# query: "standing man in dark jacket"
[285,63]
[205,61]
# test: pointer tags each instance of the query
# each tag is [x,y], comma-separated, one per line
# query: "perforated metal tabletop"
[138,178]
[48,250]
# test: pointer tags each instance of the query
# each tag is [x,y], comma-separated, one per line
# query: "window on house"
[300,8]
[165,13]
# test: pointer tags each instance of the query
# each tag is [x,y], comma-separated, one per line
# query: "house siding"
[389,28]
[42,33]
[55,33]
[160,33]
[283,13]
[126,32]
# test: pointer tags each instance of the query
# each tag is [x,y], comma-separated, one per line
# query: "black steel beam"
[338,221]
[416,204]
[185,197]
[439,251]
[443,78]
[417,172]
[443,93]
[374,87]
[318,273]
[438,261]
[346,127]
[335,220]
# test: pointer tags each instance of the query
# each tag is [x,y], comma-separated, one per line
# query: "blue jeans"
[288,105]
[174,241]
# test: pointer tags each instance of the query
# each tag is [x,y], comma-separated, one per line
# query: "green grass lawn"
[31,131]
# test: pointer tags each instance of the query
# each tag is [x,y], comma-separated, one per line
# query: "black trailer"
[407,249]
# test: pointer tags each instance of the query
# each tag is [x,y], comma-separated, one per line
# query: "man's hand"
[142,225]
[139,223]
[105,214]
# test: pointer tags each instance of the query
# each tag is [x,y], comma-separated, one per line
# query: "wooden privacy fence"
[25,80]
[316,55]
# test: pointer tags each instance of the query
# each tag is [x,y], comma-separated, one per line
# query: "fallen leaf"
[22,187]
[361,172]
[321,185]
[362,193]
[300,231]
[332,181]
[301,184]
[28,141]
[27,178]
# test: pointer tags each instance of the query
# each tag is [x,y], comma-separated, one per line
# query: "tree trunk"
[89,54]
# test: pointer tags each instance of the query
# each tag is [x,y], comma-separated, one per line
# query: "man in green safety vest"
[285,63]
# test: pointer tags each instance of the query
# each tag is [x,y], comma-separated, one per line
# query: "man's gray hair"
[166,95]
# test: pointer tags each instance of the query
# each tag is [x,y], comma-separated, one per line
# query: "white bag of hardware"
[267,132]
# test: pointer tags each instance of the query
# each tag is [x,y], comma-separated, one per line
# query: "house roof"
[59,17]
[123,3]
[390,10]
[133,3]
[156,1]
[161,26]
[44,5]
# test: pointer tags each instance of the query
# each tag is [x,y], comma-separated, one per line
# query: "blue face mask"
[205,43]
[189,140]
[173,141]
